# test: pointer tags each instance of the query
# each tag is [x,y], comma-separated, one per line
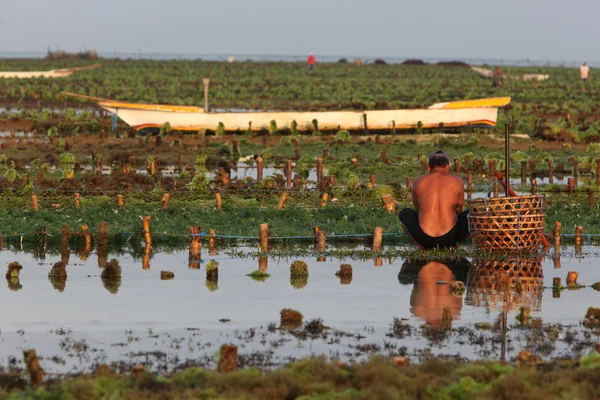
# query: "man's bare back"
[438,198]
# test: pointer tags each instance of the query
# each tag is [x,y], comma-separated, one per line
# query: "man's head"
[439,160]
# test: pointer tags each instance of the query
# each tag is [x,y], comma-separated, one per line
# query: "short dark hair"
[438,159]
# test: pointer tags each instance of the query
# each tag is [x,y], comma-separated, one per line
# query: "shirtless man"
[438,219]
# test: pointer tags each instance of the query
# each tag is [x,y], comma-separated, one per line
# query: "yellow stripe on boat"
[151,107]
[491,102]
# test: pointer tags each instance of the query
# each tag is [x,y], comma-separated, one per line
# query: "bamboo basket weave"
[512,224]
[509,283]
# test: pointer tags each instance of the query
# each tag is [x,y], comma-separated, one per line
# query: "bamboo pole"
[591,200]
[332,180]
[377,238]
[65,234]
[120,202]
[533,186]
[372,180]
[87,236]
[263,230]
[164,202]
[409,184]
[77,198]
[42,242]
[282,200]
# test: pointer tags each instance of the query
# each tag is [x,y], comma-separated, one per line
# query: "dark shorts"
[410,269]
[410,220]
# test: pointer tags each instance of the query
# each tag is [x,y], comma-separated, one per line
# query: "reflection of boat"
[474,113]
[54,73]
[486,73]
[505,283]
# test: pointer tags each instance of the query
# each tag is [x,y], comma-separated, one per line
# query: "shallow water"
[179,318]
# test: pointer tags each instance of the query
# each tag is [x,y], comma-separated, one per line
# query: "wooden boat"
[54,73]
[474,113]
[486,73]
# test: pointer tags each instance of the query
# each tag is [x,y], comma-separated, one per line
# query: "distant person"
[311,61]
[584,72]
[438,219]
[497,77]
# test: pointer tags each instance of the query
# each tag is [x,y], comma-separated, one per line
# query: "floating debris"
[290,319]
[166,275]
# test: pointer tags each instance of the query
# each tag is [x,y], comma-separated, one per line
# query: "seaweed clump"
[111,276]
[212,275]
[12,276]
[58,276]
[299,274]
[290,319]
[345,274]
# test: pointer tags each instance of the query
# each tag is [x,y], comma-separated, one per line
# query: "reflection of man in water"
[431,290]
[437,220]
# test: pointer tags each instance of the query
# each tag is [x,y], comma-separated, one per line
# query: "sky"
[461,29]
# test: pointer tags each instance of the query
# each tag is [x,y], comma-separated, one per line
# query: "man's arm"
[415,200]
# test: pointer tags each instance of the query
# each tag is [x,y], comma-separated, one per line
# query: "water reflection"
[505,284]
[433,289]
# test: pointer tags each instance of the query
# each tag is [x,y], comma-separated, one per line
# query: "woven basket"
[506,205]
[510,224]
[511,283]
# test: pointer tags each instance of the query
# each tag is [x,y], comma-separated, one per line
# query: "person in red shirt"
[311,61]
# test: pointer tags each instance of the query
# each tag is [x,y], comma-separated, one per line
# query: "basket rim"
[505,198]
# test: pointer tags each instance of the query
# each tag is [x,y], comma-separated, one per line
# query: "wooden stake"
[264,237]
[146,257]
[321,241]
[195,248]
[282,200]
[575,168]
[234,145]
[409,184]
[319,169]
[372,180]
[332,180]
[469,183]
[591,200]
[165,201]
[36,373]
[572,278]
[324,198]
[228,358]
[354,162]
[263,262]
[146,228]
[533,186]
[389,203]
[102,244]
[556,282]
[34,203]
[120,200]
[87,235]
[377,238]
[556,233]
[578,235]
[492,169]
[523,170]
[457,165]
[180,161]
[259,169]
[219,200]
[325,154]
[288,173]
[77,198]
[496,189]
[212,242]
[570,185]
[297,153]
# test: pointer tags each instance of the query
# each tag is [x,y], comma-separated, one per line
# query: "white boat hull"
[328,120]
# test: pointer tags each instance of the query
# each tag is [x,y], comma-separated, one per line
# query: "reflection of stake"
[36,373]
[195,248]
[212,240]
[146,258]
